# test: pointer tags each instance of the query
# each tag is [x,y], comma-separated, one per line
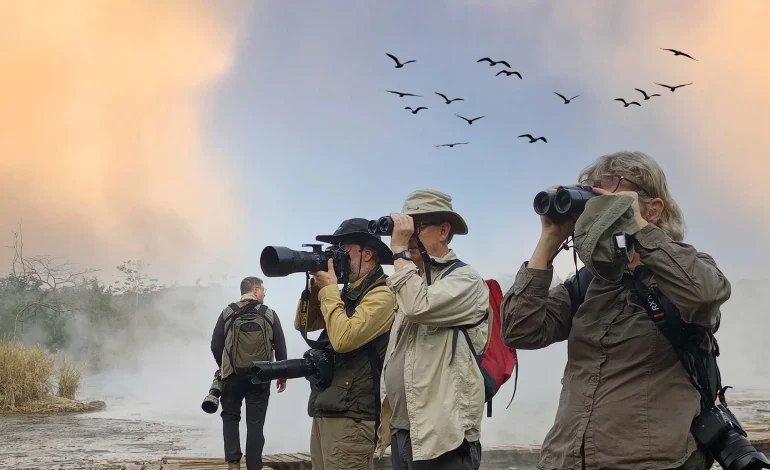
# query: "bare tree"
[136,281]
[37,282]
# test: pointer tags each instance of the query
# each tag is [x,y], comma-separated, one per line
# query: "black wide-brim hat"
[356,231]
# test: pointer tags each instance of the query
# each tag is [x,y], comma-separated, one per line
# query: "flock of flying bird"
[508,73]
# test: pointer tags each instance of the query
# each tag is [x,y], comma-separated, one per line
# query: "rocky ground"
[79,440]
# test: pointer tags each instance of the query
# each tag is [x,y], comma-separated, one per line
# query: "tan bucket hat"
[602,217]
[429,201]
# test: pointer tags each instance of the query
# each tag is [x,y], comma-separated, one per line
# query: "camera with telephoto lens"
[317,365]
[565,201]
[211,402]
[719,432]
[382,226]
[279,261]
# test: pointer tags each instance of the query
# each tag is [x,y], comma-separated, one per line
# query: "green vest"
[352,392]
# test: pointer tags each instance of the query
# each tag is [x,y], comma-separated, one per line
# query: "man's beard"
[354,274]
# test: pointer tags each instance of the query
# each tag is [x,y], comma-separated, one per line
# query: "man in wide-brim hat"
[356,322]
[433,390]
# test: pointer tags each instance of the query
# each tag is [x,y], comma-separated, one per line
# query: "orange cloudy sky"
[186,134]
[102,128]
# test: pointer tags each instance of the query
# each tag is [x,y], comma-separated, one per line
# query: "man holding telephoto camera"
[356,322]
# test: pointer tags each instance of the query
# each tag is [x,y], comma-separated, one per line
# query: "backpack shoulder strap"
[455,265]
[262,311]
[577,287]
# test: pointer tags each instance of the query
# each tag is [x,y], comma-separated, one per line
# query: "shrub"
[25,373]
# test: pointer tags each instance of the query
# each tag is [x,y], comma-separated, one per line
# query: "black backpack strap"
[455,265]
[237,311]
[577,287]
[464,328]
[515,379]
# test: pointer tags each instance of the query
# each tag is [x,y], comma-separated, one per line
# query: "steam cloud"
[101,130]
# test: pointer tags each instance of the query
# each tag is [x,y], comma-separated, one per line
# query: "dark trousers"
[465,457]
[234,390]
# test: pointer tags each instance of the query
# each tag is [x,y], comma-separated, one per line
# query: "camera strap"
[303,312]
[682,337]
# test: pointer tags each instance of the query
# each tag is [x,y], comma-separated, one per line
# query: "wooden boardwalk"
[297,461]
[493,458]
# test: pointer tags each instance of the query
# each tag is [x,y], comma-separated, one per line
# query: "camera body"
[280,261]
[565,201]
[718,431]
[317,365]
[211,402]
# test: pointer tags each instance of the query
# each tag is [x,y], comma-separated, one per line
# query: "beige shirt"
[624,393]
[445,403]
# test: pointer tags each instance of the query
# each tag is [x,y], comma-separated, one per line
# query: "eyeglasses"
[264,289]
[418,227]
[611,182]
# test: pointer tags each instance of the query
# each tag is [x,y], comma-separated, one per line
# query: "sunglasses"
[611,182]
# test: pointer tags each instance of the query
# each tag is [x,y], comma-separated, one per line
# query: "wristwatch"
[406,254]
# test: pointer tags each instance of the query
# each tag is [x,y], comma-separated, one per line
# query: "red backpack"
[498,361]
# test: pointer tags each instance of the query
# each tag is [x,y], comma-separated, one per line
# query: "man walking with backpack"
[246,331]
[433,389]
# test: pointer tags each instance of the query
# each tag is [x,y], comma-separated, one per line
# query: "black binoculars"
[382,226]
[566,200]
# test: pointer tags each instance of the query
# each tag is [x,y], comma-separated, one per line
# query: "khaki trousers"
[342,444]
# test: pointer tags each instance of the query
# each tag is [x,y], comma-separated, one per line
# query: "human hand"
[325,278]
[403,229]
[635,205]
[280,384]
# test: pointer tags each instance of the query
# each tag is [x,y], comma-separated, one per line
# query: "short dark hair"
[249,283]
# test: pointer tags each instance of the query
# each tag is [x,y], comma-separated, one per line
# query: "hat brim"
[384,254]
[459,227]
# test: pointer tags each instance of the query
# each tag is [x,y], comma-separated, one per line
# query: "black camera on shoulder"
[279,261]
[565,201]
[317,365]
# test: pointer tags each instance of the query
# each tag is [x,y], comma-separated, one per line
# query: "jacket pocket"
[336,397]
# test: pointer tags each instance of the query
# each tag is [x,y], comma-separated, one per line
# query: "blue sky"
[305,115]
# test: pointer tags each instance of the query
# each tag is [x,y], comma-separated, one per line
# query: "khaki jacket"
[445,403]
[626,401]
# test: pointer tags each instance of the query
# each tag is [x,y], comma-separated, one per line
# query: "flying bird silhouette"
[680,53]
[532,140]
[451,145]
[470,121]
[508,72]
[566,101]
[448,101]
[672,88]
[646,97]
[492,63]
[415,111]
[401,95]
[399,64]
[626,105]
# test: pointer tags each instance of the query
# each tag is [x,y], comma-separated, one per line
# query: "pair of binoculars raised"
[382,226]
[566,200]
